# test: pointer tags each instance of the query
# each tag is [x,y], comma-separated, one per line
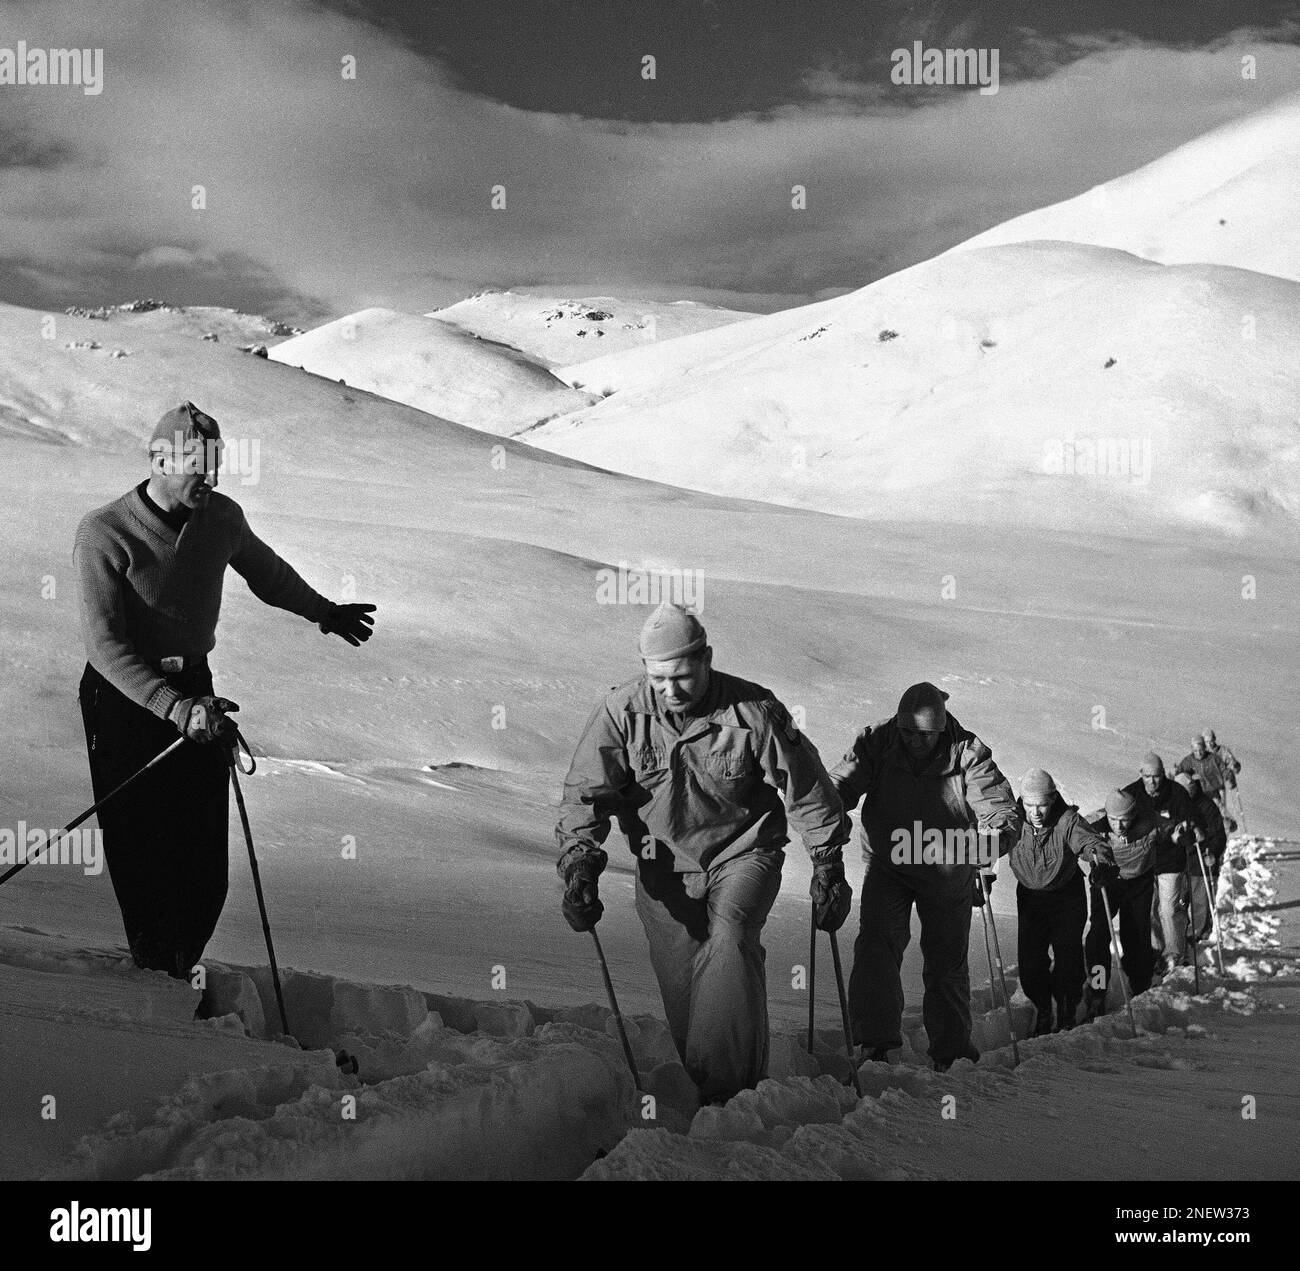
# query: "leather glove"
[977,896]
[832,896]
[203,719]
[352,622]
[581,904]
[1104,874]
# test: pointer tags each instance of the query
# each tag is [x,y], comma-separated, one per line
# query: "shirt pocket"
[649,765]
[730,767]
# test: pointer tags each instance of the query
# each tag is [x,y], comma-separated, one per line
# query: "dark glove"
[203,719]
[352,622]
[1099,856]
[1104,874]
[832,897]
[977,896]
[581,904]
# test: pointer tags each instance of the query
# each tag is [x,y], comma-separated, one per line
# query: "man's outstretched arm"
[275,582]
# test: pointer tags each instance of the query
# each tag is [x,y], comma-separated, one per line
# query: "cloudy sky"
[326,194]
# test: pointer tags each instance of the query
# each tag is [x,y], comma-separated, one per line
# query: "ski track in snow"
[457,1088]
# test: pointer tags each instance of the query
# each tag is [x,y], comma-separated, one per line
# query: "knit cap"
[1120,804]
[1037,785]
[185,432]
[671,632]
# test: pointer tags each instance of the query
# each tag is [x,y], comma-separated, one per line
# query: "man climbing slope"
[150,568]
[1051,899]
[916,774]
[692,763]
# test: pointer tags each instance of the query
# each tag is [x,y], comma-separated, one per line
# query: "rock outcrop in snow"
[557,330]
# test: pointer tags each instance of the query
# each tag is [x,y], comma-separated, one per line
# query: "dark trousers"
[1201,900]
[942,897]
[165,835]
[1130,901]
[1050,947]
[704,930]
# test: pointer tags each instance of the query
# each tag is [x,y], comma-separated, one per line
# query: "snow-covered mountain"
[557,330]
[434,367]
[1050,383]
[1226,198]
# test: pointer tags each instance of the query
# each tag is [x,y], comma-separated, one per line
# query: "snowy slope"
[483,564]
[1164,1104]
[1227,198]
[460,1088]
[436,368]
[966,386]
[558,330]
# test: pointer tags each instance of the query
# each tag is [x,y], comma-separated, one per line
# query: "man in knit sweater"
[150,567]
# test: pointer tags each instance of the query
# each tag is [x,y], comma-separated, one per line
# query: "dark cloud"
[717,59]
[324,195]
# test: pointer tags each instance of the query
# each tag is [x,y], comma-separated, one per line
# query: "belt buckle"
[171,665]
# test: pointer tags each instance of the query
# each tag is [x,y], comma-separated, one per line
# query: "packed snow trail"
[457,1088]
[1206,1091]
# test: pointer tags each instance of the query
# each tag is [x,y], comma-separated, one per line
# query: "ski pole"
[1002,975]
[1119,965]
[613,1005]
[90,811]
[235,742]
[988,953]
[1211,900]
[812,974]
[844,1012]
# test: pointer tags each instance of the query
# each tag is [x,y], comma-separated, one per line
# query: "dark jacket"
[959,788]
[1174,806]
[1210,833]
[1207,770]
[1047,859]
[1135,855]
[693,797]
